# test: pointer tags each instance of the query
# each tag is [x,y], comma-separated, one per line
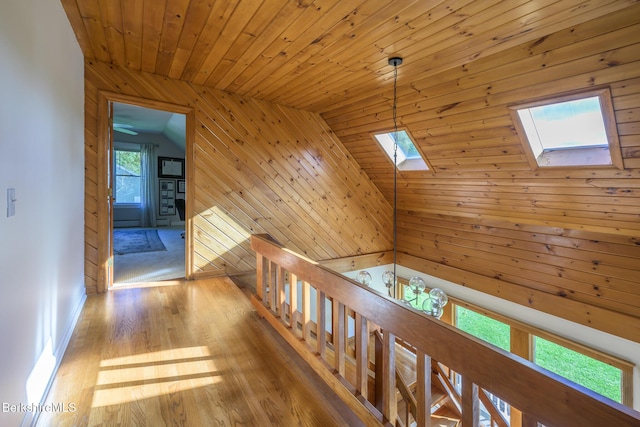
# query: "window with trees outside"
[127,181]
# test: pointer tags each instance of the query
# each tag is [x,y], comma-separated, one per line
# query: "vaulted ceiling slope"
[561,240]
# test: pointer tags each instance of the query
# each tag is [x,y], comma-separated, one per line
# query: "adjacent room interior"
[149,194]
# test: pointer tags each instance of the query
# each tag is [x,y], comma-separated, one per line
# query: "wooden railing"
[541,396]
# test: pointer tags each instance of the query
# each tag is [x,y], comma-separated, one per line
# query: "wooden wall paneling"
[565,214]
[245,199]
[206,262]
[252,212]
[523,273]
[346,170]
[279,168]
[459,119]
[619,324]
[215,184]
[225,240]
[324,159]
[601,253]
[264,193]
[209,177]
[91,191]
[548,270]
[616,253]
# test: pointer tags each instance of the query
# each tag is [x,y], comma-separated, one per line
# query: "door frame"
[105,191]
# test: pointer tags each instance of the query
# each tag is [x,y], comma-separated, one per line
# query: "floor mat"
[135,241]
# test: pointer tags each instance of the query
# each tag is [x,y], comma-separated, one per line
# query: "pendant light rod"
[394,62]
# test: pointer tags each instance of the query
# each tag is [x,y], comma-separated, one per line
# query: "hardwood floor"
[188,354]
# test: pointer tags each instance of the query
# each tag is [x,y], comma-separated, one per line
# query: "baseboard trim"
[31,418]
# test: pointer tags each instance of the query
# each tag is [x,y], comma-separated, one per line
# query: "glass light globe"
[417,285]
[434,304]
[439,297]
[405,302]
[364,277]
[436,311]
[388,278]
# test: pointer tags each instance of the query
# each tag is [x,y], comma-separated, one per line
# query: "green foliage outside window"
[483,327]
[405,144]
[127,176]
[584,370]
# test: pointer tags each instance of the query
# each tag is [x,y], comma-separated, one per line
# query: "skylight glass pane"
[576,123]
[408,156]
[406,145]
[569,131]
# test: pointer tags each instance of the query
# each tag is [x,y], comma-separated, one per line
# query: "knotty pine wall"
[258,168]
[564,241]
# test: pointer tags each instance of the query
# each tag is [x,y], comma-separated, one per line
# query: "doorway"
[148,169]
[146,148]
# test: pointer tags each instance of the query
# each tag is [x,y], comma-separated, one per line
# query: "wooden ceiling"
[313,55]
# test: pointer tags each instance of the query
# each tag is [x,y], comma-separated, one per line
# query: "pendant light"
[390,278]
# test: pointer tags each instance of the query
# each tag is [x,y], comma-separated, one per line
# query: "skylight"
[569,131]
[408,156]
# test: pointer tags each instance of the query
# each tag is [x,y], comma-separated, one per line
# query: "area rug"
[135,241]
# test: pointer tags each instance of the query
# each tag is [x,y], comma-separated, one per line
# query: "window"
[483,327]
[127,176]
[575,130]
[599,372]
[579,368]
[409,158]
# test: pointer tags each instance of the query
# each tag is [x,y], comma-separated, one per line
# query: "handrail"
[540,395]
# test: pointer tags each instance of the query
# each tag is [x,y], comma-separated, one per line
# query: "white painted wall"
[42,157]
[607,343]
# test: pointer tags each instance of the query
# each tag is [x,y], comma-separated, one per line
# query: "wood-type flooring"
[185,353]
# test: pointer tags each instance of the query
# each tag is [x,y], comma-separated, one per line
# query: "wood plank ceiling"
[482,217]
[313,55]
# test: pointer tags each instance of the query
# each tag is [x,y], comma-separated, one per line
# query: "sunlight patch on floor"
[141,376]
[157,356]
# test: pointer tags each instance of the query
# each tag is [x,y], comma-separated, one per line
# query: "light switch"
[11,202]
